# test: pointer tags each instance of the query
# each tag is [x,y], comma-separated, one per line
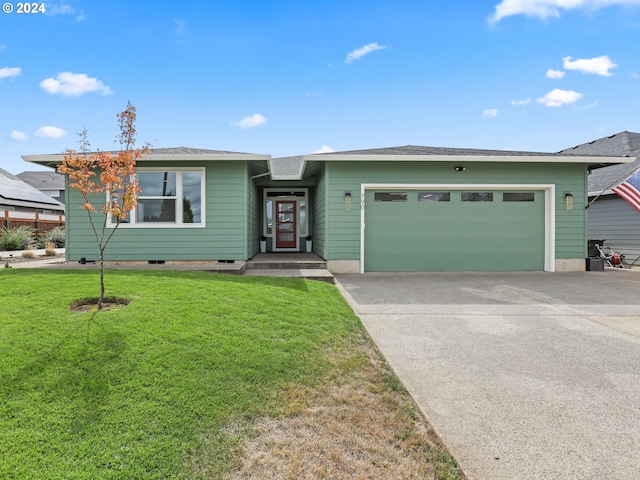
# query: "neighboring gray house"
[17,195]
[50,183]
[610,217]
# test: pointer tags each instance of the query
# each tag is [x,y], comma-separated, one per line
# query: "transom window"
[434,196]
[476,196]
[168,198]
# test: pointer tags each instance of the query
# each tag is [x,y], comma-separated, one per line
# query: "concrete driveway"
[522,375]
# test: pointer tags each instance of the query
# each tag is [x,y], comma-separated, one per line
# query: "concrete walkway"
[522,375]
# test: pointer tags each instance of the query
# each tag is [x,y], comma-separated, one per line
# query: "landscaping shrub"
[18,238]
[55,237]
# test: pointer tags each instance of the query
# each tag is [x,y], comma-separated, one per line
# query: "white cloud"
[521,103]
[314,94]
[324,149]
[7,72]
[361,52]
[550,8]
[490,113]
[50,132]
[251,121]
[598,65]
[64,9]
[558,98]
[2,47]
[555,74]
[16,135]
[635,75]
[72,84]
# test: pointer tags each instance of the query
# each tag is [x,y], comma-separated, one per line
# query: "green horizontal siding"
[348,176]
[223,237]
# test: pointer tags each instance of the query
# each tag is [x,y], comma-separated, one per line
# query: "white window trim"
[177,196]
[549,208]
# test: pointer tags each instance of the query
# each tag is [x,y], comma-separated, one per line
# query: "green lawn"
[175,377]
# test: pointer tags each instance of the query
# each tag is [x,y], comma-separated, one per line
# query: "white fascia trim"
[549,208]
[56,159]
[470,158]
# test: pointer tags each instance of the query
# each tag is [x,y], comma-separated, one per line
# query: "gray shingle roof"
[602,180]
[190,151]
[286,168]
[43,180]
[418,150]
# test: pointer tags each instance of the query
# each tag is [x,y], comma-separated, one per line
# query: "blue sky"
[296,77]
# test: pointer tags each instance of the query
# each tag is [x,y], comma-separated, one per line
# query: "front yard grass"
[201,376]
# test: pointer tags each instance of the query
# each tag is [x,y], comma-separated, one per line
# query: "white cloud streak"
[550,8]
[597,66]
[361,52]
[324,149]
[7,72]
[490,113]
[251,121]
[521,103]
[50,132]
[72,84]
[558,98]
[17,135]
[64,9]
[555,74]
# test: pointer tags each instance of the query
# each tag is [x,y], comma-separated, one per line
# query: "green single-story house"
[400,209]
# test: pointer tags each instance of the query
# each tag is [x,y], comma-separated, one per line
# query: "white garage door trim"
[549,208]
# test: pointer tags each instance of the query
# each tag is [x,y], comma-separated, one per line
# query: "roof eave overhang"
[55,160]
[591,160]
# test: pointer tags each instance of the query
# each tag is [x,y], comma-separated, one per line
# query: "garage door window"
[430,197]
[390,196]
[476,196]
[518,197]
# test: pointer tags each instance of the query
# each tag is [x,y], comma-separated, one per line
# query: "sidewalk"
[15,259]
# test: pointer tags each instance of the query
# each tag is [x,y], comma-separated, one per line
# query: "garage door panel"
[455,236]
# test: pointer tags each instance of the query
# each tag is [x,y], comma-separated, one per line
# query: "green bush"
[55,236]
[18,238]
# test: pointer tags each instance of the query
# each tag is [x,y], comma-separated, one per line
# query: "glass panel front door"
[286,224]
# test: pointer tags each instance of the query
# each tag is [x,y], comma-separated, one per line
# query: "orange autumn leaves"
[110,173]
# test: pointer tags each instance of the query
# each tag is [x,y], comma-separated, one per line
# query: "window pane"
[390,196]
[434,196]
[192,197]
[269,217]
[156,210]
[476,196]
[518,197]
[157,184]
[302,213]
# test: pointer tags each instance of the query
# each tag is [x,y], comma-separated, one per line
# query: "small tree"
[109,174]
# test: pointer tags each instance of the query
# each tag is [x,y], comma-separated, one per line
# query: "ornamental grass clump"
[18,238]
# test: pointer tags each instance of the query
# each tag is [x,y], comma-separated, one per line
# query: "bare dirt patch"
[91,304]
[360,424]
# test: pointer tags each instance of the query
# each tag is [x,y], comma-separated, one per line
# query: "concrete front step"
[320,274]
[279,261]
[286,265]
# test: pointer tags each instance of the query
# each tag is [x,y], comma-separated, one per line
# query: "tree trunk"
[101,298]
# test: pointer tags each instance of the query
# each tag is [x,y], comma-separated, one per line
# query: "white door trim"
[549,208]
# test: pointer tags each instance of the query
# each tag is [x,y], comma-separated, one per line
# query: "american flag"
[630,190]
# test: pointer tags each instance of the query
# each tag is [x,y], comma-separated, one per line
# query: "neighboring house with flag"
[614,194]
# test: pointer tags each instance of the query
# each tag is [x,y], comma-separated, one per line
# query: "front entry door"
[286,230]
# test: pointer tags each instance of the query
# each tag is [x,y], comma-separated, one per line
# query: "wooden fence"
[40,222]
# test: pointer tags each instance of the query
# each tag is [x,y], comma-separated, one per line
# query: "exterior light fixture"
[568,198]
[347,201]
[459,168]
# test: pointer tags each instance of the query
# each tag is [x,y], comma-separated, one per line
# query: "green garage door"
[453,230]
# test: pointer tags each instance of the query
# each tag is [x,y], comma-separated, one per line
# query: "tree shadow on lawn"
[76,374]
